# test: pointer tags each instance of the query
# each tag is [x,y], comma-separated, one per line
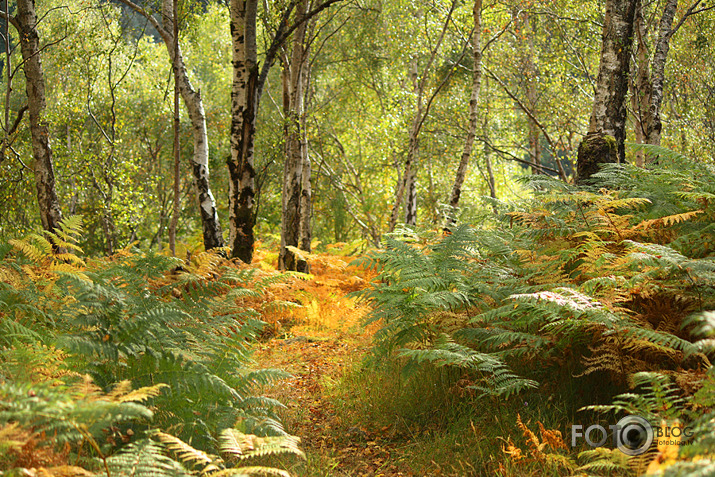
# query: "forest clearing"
[347,238]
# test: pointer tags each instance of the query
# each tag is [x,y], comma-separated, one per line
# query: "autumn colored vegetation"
[341,238]
[483,345]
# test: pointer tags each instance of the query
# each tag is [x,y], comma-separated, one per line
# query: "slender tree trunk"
[295,150]
[411,202]
[531,97]
[605,141]
[473,110]
[177,128]
[422,108]
[641,88]
[244,101]
[491,182]
[408,180]
[50,213]
[306,194]
[213,236]
[648,95]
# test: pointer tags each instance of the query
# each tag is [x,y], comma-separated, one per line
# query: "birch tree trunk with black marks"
[244,101]
[408,180]
[473,110]
[213,236]
[306,194]
[246,91]
[605,141]
[26,23]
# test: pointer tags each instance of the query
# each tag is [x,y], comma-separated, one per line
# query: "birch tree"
[650,60]
[296,203]
[605,141]
[26,25]
[212,234]
[473,113]
[407,183]
[247,88]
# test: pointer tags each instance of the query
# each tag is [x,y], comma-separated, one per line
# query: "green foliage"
[135,320]
[579,286]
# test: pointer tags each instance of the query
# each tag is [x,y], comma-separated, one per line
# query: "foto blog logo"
[632,435]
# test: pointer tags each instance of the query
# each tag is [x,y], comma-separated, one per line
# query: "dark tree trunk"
[608,116]
[50,212]
[596,148]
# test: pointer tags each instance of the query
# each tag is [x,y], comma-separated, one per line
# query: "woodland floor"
[319,344]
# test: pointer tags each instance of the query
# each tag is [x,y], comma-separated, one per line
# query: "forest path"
[320,344]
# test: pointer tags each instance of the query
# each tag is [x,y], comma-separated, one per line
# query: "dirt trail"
[318,343]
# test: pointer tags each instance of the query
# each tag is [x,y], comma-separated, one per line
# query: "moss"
[596,148]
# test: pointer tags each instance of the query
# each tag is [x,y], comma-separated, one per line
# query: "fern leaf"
[184,451]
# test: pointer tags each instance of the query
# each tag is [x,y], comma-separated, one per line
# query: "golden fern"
[188,454]
[239,446]
[123,392]
[243,446]
[253,470]
[206,264]
[53,252]
[668,220]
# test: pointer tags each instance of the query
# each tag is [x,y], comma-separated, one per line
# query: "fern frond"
[145,458]
[185,452]
[251,470]
[244,446]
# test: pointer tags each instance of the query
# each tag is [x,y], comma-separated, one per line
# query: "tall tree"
[177,130]
[473,112]
[650,60]
[213,236]
[530,77]
[247,89]
[296,203]
[605,141]
[244,105]
[26,24]
[407,183]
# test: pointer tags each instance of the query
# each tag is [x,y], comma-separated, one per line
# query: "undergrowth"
[138,364]
[573,299]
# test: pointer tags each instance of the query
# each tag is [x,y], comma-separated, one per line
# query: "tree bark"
[294,201]
[608,116]
[648,94]
[213,236]
[50,212]
[247,88]
[473,110]
[244,102]
[306,194]
[177,126]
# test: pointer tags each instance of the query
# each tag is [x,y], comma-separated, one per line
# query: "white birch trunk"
[473,110]
[244,101]
[295,153]
[212,233]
